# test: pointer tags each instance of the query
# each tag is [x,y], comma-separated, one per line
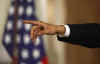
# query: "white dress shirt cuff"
[67,32]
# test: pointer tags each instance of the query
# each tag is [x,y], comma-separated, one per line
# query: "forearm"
[83,34]
[81,31]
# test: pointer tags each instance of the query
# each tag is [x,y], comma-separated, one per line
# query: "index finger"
[32,22]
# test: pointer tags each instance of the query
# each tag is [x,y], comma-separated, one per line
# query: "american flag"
[28,53]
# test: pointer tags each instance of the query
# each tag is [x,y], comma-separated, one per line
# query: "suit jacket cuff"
[67,32]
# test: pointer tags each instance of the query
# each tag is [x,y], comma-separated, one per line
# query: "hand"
[41,28]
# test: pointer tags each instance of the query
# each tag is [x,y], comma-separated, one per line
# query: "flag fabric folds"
[28,52]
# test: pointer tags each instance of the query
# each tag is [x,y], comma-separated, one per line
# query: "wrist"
[60,29]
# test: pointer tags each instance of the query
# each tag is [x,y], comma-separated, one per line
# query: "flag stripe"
[28,53]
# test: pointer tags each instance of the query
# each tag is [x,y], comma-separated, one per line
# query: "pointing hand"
[41,28]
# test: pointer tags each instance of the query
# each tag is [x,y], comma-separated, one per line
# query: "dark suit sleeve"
[83,34]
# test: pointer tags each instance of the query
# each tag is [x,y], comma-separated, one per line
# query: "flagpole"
[15,48]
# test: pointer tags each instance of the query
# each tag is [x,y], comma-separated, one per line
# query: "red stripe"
[15,60]
[45,60]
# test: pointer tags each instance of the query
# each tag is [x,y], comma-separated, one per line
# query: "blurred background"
[16,46]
